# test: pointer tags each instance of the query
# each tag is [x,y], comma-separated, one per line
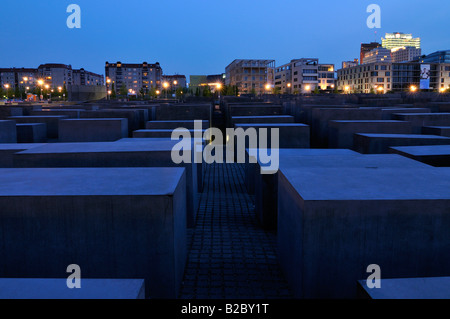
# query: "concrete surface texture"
[112,229]
[92,130]
[434,155]
[31,132]
[380,143]
[8,133]
[41,288]
[333,223]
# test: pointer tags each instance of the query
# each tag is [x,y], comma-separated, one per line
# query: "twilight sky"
[201,37]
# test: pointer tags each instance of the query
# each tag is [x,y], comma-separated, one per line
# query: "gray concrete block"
[322,116]
[92,130]
[38,288]
[171,125]
[334,223]
[290,135]
[407,288]
[340,133]
[262,119]
[8,150]
[52,122]
[71,113]
[436,130]
[161,133]
[93,217]
[266,186]
[8,132]
[31,132]
[150,153]
[388,114]
[380,143]
[182,112]
[132,116]
[420,120]
[434,155]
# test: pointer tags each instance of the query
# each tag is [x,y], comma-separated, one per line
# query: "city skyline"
[201,46]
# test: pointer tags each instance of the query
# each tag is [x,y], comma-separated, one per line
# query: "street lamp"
[413,88]
[268,87]
[347,89]
[165,85]
[108,81]
[289,86]
[41,83]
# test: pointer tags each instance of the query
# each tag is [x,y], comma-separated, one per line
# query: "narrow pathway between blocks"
[230,255]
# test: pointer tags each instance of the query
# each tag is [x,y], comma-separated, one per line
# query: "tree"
[17,92]
[142,92]
[372,91]
[179,93]
[197,91]
[316,90]
[123,90]
[113,91]
[152,92]
[207,91]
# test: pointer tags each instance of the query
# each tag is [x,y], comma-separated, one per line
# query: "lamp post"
[7,90]
[46,87]
[41,83]
[289,87]
[108,81]
[165,85]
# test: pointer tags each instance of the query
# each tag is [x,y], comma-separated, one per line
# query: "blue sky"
[202,37]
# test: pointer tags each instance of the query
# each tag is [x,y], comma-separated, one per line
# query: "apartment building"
[378,55]
[83,77]
[133,75]
[174,81]
[366,78]
[251,76]
[405,54]
[303,76]
[22,78]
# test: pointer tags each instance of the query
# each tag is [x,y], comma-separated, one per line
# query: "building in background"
[349,64]
[53,75]
[22,78]
[378,55]
[399,39]
[405,54]
[303,76]
[251,76]
[201,81]
[175,81]
[86,78]
[133,76]
[367,78]
[367,47]
[437,57]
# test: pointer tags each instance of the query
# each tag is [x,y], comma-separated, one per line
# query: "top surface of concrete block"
[105,147]
[26,288]
[410,288]
[331,184]
[426,150]
[305,152]
[407,136]
[271,125]
[20,146]
[89,181]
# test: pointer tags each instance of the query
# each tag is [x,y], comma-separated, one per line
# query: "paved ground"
[230,256]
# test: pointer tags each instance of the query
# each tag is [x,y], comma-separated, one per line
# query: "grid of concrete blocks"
[361,180]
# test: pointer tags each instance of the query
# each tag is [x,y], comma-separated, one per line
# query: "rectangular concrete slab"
[92,130]
[262,119]
[434,155]
[8,150]
[150,153]
[8,132]
[407,288]
[436,130]
[340,134]
[171,125]
[334,223]
[71,113]
[380,143]
[290,135]
[388,113]
[266,185]
[39,288]
[419,120]
[52,122]
[31,132]
[119,223]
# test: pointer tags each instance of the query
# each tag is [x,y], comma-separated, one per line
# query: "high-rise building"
[405,54]
[399,39]
[83,77]
[133,76]
[18,77]
[367,47]
[303,76]
[378,55]
[250,76]
[437,57]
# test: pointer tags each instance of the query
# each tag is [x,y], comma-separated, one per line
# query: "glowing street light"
[347,89]
[442,90]
[308,88]
[268,87]
[413,88]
